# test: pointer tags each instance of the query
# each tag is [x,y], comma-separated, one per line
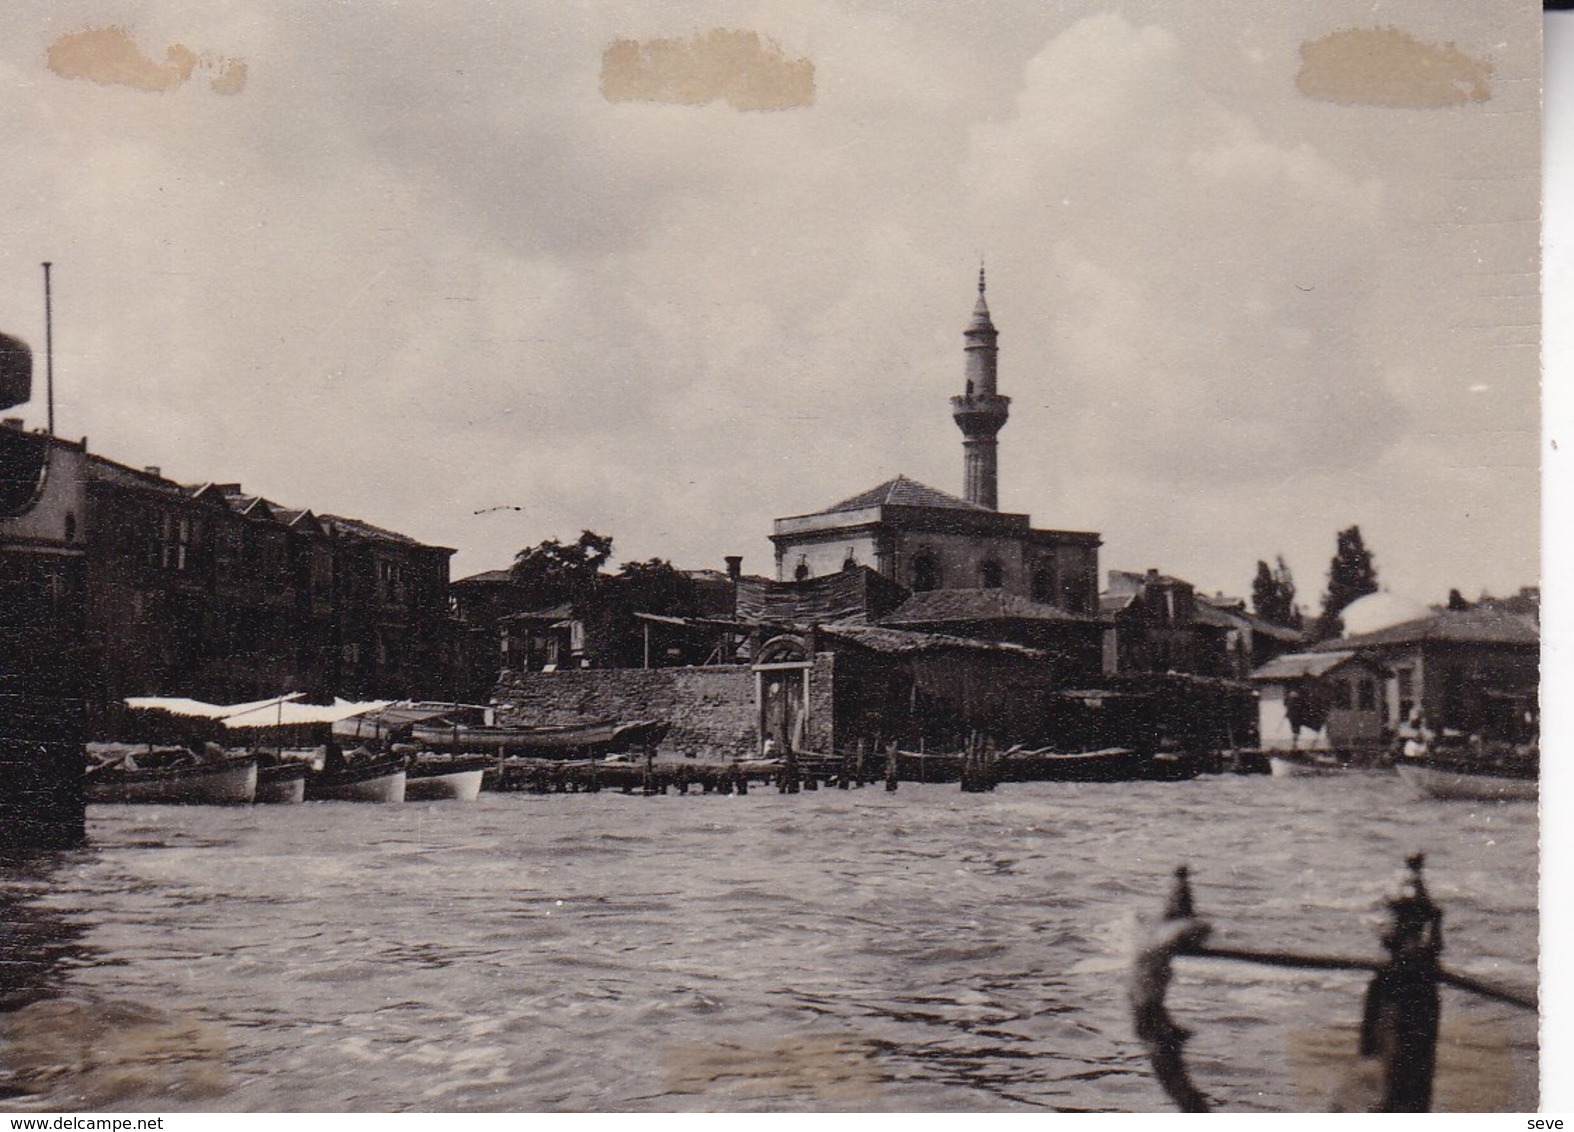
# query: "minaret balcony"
[980,414]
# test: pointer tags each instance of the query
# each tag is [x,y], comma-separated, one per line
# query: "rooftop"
[903,492]
[934,606]
[1479,626]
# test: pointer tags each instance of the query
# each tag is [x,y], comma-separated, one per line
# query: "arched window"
[1044,584]
[989,575]
[800,572]
[926,572]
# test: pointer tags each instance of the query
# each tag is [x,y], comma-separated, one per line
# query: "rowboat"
[1295,764]
[379,779]
[565,740]
[436,777]
[231,781]
[281,783]
[1463,782]
[1113,764]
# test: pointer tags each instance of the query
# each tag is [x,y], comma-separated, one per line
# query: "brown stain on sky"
[1388,67]
[110,56]
[737,67]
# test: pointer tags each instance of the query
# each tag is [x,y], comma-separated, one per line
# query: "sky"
[429,266]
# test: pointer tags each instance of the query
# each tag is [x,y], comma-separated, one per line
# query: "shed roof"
[1295,665]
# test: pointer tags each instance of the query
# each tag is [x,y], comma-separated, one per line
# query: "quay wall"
[713,709]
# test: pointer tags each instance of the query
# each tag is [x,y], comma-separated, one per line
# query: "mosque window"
[926,572]
[1044,585]
[990,575]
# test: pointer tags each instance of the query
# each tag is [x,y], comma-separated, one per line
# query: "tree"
[616,636]
[1352,574]
[556,572]
[1273,594]
[1456,601]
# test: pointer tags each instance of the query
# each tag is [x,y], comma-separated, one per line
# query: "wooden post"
[650,770]
[1401,1013]
[890,768]
[1177,932]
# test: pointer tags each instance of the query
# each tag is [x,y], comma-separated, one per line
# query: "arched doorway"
[781,689]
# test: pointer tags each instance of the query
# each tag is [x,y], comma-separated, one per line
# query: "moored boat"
[600,736]
[228,781]
[372,779]
[439,777]
[281,783]
[1470,783]
[1302,764]
[1112,764]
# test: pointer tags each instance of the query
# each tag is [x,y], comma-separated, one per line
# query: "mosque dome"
[1380,610]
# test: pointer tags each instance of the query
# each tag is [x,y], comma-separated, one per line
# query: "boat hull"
[229,783]
[1453,783]
[1292,766]
[281,785]
[377,782]
[454,785]
[568,741]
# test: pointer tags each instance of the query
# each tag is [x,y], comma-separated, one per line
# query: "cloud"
[1201,287]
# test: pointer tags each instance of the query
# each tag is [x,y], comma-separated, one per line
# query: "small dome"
[1380,610]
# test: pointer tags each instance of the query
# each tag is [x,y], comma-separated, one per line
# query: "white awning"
[180,705]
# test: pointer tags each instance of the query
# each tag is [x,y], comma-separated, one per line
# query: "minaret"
[980,412]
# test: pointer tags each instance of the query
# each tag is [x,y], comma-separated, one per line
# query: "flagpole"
[49,348]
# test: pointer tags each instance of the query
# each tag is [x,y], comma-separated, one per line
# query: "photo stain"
[738,67]
[1388,67]
[109,55]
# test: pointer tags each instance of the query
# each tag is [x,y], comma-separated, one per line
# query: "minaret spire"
[980,412]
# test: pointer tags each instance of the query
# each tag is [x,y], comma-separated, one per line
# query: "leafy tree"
[1273,594]
[554,572]
[1456,600]
[616,636]
[1352,574]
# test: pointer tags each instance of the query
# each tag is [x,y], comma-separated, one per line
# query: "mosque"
[926,539]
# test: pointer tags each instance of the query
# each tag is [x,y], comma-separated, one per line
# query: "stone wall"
[712,709]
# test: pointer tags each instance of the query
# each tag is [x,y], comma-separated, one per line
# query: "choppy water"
[926,950]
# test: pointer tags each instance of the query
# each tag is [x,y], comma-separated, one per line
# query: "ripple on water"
[833,950]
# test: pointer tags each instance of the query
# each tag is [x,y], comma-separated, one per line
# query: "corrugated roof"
[902,492]
[831,597]
[1458,626]
[934,606]
[561,612]
[1293,666]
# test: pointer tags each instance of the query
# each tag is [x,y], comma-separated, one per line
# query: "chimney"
[153,470]
[734,566]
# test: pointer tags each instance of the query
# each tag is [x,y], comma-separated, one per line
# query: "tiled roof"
[487,577]
[104,470]
[1461,626]
[902,492]
[935,606]
[902,641]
